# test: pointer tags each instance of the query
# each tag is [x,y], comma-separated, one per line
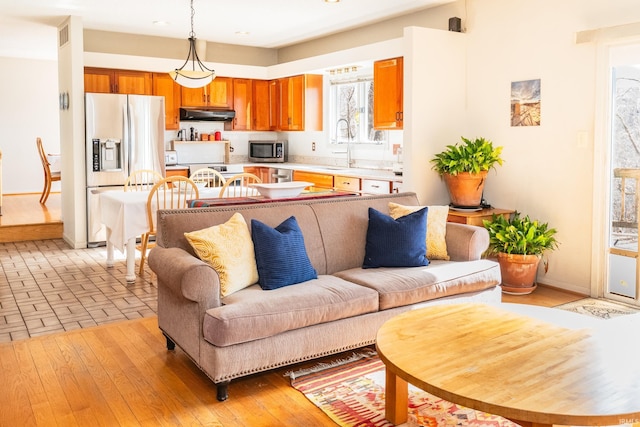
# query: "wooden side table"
[476,217]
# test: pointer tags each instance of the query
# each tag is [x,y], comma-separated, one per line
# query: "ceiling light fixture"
[332,1]
[193,78]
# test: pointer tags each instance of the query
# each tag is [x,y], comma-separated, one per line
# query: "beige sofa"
[253,330]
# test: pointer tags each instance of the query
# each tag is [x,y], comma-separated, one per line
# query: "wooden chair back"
[49,176]
[211,177]
[169,193]
[238,186]
[142,180]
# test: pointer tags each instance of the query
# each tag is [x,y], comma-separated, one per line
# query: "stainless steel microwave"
[268,151]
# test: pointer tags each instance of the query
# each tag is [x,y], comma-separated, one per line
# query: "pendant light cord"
[193,13]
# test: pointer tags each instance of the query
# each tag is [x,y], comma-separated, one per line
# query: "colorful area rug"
[600,308]
[351,393]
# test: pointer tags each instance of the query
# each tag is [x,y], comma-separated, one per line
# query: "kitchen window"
[352,102]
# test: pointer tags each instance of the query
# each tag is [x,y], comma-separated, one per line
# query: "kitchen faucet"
[349,159]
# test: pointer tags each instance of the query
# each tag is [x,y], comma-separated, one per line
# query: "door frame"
[608,54]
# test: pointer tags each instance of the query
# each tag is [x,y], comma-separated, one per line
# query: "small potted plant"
[464,168]
[519,243]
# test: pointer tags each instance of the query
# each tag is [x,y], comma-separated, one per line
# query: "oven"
[227,171]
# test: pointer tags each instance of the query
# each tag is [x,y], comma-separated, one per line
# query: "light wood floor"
[25,218]
[122,374]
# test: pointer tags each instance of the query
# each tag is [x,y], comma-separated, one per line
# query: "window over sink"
[351,101]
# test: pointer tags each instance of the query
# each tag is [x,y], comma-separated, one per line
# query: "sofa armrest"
[186,276]
[466,242]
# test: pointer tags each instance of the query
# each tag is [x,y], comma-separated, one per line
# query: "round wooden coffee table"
[532,365]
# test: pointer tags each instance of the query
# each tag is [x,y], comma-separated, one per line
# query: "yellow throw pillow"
[228,248]
[436,227]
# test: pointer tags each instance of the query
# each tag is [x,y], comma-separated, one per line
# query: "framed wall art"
[525,103]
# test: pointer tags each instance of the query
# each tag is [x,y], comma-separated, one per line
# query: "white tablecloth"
[125,214]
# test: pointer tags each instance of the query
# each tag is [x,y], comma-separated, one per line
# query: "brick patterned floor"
[46,286]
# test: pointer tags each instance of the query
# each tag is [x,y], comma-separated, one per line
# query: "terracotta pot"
[518,273]
[465,189]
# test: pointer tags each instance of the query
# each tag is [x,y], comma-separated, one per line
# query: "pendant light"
[199,75]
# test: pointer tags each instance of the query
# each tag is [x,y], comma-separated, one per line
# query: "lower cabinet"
[346,183]
[177,172]
[319,180]
[374,186]
[261,172]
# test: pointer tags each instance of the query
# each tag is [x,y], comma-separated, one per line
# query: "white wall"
[29,109]
[548,174]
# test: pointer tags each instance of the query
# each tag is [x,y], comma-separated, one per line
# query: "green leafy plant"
[518,235]
[470,156]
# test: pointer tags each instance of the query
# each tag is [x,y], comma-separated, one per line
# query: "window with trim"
[351,113]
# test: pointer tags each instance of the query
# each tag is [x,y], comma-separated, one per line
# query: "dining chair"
[211,177]
[49,176]
[172,192]
[142,180]
[239,186]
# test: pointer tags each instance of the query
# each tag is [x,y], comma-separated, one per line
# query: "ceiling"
[28,27]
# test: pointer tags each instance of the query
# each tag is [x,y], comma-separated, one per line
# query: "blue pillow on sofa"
[281,257]
[396,242]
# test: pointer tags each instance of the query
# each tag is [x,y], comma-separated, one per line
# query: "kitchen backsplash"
[304,147]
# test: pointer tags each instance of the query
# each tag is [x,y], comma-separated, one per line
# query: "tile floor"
[46,286]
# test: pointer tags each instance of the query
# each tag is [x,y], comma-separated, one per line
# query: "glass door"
[624,203]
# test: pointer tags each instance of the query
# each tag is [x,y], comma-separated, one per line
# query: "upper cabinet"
[300,102]
[218,93]
[163,85]
[286,104]
[388,94]
[103,80]
[262,119]
[242,104]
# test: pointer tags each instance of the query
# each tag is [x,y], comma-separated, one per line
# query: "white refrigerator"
[124,133]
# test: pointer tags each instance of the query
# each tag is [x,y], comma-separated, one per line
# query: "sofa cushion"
[403,286]
[280,254]
[396,242]
[252,313]
[436,227]
[228,248]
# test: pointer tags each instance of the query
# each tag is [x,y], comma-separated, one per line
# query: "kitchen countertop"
[336,170]
[365,173]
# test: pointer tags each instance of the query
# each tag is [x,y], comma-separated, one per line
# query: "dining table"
[124,215]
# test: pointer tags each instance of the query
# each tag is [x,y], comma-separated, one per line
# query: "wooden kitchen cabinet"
[376,186]
[177,172]
[300,103]
[346,183]
[262,118]
[218,94]
[319,180]
[242,104]
[163,85]
[106,80]
[388,94]
[262,172]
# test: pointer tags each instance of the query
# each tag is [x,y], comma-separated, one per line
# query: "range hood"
[204,114]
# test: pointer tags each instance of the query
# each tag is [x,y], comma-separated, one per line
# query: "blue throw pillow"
[396,242]
[280,254]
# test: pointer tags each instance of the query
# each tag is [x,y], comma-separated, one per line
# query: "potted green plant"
[464,167]
[519,243]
